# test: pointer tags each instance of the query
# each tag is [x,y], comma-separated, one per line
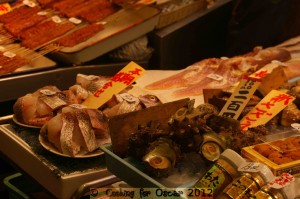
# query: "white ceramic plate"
[48,146]
[24,125]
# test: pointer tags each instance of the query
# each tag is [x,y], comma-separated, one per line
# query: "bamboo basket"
[179,13]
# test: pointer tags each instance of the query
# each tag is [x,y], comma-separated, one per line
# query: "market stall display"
[173,131]
[71,32]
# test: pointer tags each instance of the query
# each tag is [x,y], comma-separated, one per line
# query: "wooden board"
[121,126]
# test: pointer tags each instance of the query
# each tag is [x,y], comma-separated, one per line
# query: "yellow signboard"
[266,109]
[4,8]
[116,84]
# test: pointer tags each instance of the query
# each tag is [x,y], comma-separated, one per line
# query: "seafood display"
[161,156]
[203,131]
[80,35]
[39,107]
[32,18]
[281,151]
[76,130]
[190,130]
[218,73]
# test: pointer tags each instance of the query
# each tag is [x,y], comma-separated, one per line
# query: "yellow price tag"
[266,109]
[125,77]
[4,8]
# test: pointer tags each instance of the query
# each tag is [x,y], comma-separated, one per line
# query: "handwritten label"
[264,71]
[129,98]
[281,181]
[296,126]
[4,8]
[250,167]
[9,54]
[42,13]
[75,20]
[56,19]
[266,109]
[29,3]
[77,106]
[116,84]
[47,92]
[215,77]
[239,99]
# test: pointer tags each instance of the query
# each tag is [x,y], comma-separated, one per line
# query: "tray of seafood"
[17,60]
[281,152]
[60,175]
[173,151]
[74,31]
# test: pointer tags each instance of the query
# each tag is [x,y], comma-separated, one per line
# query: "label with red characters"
[266,109]
[4,8]
[116,84]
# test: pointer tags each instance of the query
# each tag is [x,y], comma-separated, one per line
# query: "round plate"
[24,125]
[48,146]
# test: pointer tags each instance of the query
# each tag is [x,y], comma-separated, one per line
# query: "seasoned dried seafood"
[80,35]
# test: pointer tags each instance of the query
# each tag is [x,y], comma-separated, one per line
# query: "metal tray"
[120,28]
[61,176]
[132,172]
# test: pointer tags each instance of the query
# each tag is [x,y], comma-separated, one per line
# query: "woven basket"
[168,18]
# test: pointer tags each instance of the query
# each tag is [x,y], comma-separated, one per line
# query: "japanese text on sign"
[116,84]
[266,109]
[240,97]
[4,8]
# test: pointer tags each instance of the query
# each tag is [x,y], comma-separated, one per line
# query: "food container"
[132,172]
[60,176]
[180,12]
[119,29]
[292,167]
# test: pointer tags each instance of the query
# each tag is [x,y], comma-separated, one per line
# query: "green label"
[213,179]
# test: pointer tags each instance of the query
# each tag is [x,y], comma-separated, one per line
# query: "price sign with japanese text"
[4,8]
[266,109]
[240,97]
[116,84]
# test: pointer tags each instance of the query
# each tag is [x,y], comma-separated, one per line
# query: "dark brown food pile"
[46,35]
[80,35]
[91,10]
[35,28]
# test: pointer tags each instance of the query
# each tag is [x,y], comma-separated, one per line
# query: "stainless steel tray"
[61,176]
[132,171]
[120,28]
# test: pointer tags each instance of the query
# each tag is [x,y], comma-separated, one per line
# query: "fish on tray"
[218,72]
[77,129]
